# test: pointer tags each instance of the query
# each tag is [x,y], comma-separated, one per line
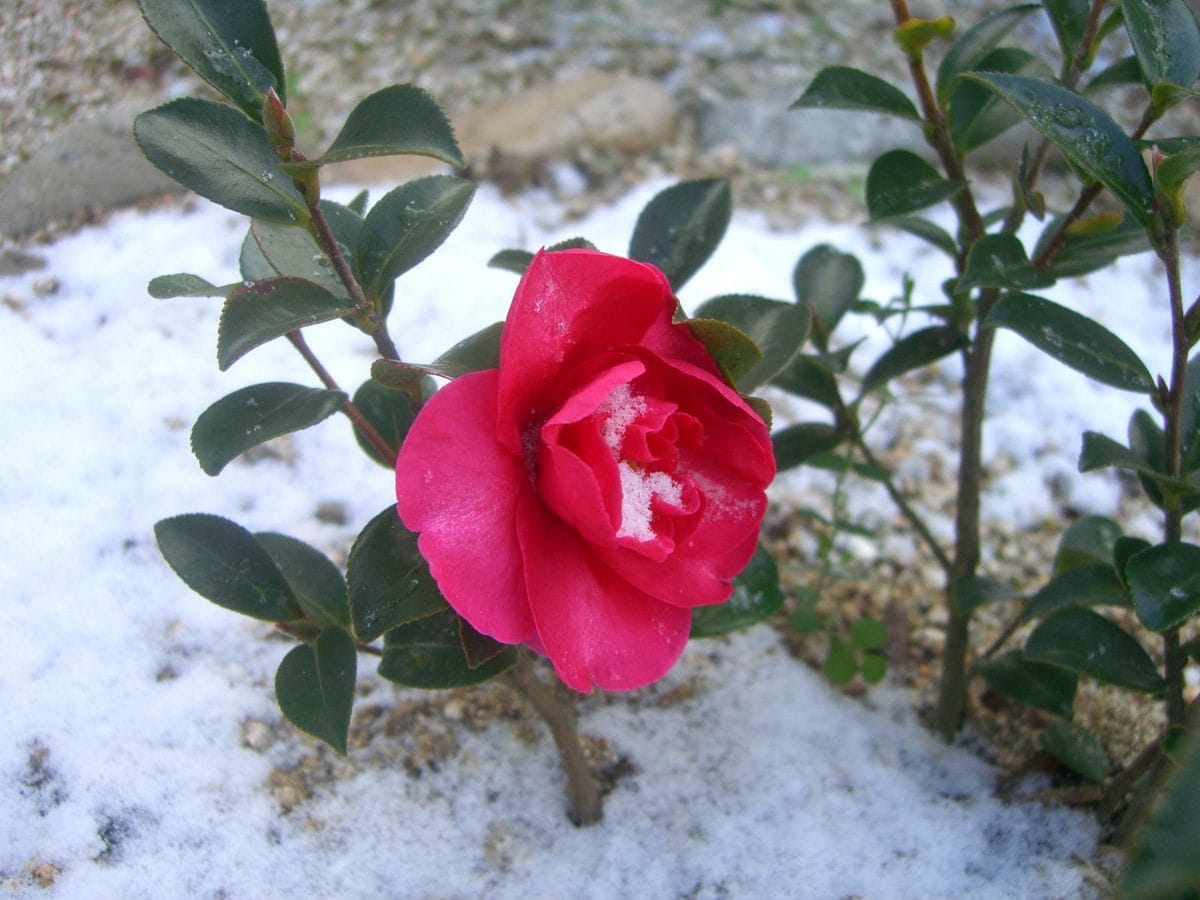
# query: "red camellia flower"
[585,496]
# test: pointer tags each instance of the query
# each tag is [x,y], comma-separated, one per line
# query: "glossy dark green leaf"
[1076,748]
[913,351]
[828,282]
[407,225]
[1086,642]
[1069,18]
[900,183]
[251,262]
[388,580]
[1148,444]
[478,648]
[390,412]
[223,562]
[1171,176]
[999,261]
[973,591]
[1085,134]
[265,310]
[293,252]
[977,116]
[316,582]
[1165,583]
[681,227]
[1122,73]
[808,376]
[1087,540]
[1074,340]
[1164,864]
[400,119]
[733,349]
[974,45]
[832,461]
[1101,452]
[778,329]
[1123,551]
[217,152]
[796,443]
[231,45]
[756,596]
[429,653]
[183,284]
[315,686]
[841,87]
[1084,253]
[1042,686]
[256,414]
[1165,38]
[474,353]
[926,231]
[517,261]
[1095,584]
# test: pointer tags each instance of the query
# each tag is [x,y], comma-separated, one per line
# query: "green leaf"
[681,227]
[265,310]
[183,284]
[400,119]
[1076,748]
[1101,452]
[1074,340]
[1166,40]
[256,414]
[478,648]
[1095,584]
[1189,424]
[734,351]
[292,252]
[475,353]
[926,231]
[1085,134]
[390,412]
[841,664]
[1089,539]
[315,687]
[515,261]
[999,261]
[429,653]
[1084,253]
[1035,684]
[1069,18]
[778,329]
[973,591]
[975,44]
[796,443]
[913,352]
[900,183]
[1149,446]
[1165,583]
[217,152]
[874,667]
[388,579]
[315,581]
[756,596]
[1172,175]
[407,225]
[222,562]
[1123,551]
[808,376]
[1086,642]
[230,45]
[977,115]
[1122,73]
[1164,864]
[828,282]
[841,87]
[868,634]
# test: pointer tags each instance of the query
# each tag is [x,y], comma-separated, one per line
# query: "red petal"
[595,627]
[459,488]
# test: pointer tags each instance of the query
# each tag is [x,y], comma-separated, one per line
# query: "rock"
[92,163]
[601,111]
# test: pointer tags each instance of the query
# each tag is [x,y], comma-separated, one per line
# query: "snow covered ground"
[129,765]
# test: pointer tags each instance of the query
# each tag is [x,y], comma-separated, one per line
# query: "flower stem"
[353,413]
[584,802]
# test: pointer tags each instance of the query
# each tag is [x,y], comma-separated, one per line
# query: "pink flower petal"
[459,488]
[595,627]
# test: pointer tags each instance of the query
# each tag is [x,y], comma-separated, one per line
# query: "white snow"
[122,762]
